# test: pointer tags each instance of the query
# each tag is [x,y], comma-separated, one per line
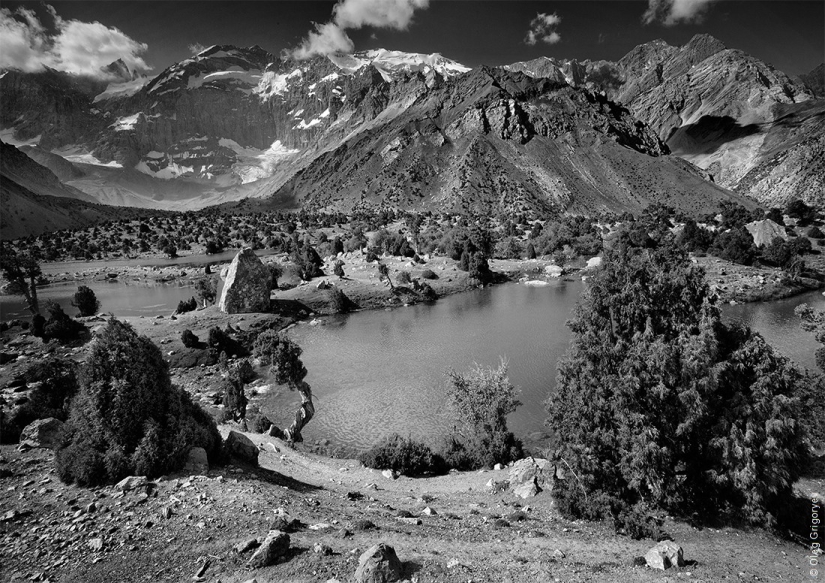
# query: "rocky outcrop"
[248,285]
[529,476]
[378,564]
[46,433]
[765,231]
[274,548]
[665,555]
[240,447]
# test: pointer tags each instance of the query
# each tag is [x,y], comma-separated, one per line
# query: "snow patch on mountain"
[7,136]
[272,83]
[80,155]
[123,89]
[389,63]
[126,123]
[254,164]
[168,172]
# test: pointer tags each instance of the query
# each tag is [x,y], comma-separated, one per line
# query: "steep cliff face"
[719,108]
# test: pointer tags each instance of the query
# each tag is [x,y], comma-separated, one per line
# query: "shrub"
[86,301]
[428,274]
[189,305]
[735,245]
[337,301]
[189,339]
[405,456]
[261,423]
[234,398]
[56,380]
[403,278]
[243,371]
[59,326]
[660,404]
[207,289]
[480,402]
[338,268]
[128,418]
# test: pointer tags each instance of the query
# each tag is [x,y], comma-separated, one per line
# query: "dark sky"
[788,34]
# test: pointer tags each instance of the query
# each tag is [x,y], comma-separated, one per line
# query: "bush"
[59,326]
[428,274]
[207,289]
[243,371]
[338,269]
[189,339]
[128,418]
[405,456]
[86,301]
[56,380]
[337,301]
[189,305]
[261,423]
[403,278]
[234,398]
[659,404]
[480,402]
[735,245]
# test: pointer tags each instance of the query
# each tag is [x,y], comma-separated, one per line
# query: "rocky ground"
[459,527]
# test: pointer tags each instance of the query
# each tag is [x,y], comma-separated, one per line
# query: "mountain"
[727,112]
[815,80]
[375,128]
[26,211]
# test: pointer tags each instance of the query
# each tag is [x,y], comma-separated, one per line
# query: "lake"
[381,372]
[377,372]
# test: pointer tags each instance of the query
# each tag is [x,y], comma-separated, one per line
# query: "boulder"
[132,483]
[248,285]
[42,433]
[197,462]
[378,564]
[274,547]
[665,555]
[594,262]
[765,231]
[554,270]
[239,446]
[529,476]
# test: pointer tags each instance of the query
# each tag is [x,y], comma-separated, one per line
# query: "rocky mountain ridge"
[722,109]
[230,123]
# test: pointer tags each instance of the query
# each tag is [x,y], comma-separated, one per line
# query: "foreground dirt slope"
[48,532]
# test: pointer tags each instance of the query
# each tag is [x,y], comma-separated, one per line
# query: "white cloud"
[331,37]
[74,46]
[542,28]
[672,12]
[195,48]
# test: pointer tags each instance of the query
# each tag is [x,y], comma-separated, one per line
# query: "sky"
[82,36]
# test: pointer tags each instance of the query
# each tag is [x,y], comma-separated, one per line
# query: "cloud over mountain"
[70,45]
[331,37]
[543,28]
[672,12]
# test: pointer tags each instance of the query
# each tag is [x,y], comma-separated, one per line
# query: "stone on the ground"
[529,476]
[554,270]
[248,285]
[378,564]
[322,549]
[131,483]
[274,547]
[42,433]
[765,231]
[665,555]
[241,447]
[594,262]
[389,474]
[197,462]
[247,545]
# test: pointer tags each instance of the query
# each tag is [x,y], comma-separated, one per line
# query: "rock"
[558,555]
[247,545]
[429,511]
[321,549]
[496,486]
[378,564]
[389,474]
[498,467]
[765,231]
[274,547]
[594,262]
[554,270]
[95,545]
[132,483]
[409,520]
[42,433]
[665,555]
[197,462]
[527,490]
[248,285]
[241,447]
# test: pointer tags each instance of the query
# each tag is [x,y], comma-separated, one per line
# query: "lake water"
[379,372]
